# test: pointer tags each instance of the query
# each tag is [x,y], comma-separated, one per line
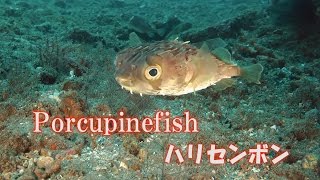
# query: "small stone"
[25,163]
[54,168]
[31,163]
[7,175]
[83,36]
[143,154]
[45,162]
[48,76]
[135,166]
[123,165]
[40,173]
[44,152]
[310,161]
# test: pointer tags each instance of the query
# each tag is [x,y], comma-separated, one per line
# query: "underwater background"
[58,56]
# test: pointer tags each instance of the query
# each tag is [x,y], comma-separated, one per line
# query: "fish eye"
[153,72]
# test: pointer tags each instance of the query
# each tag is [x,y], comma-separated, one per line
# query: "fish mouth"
[124,82]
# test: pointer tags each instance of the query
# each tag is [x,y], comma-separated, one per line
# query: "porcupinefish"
[175,68]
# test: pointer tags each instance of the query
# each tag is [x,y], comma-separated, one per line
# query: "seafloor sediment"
[58,56]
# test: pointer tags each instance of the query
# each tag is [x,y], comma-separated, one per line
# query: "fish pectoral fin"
[134,39]
[224,84]
[252,73]
[223,54]
[205,47]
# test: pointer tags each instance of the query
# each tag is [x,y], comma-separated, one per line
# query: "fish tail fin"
[252,73]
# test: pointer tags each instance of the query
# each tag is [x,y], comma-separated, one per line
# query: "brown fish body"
[170,68]
[215,70]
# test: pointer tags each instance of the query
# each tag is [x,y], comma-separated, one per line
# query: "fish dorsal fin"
[224,84]
[223,54]
[216,43]
[134,40]
[205,47]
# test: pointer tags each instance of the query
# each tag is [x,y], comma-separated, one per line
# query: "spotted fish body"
[173,68]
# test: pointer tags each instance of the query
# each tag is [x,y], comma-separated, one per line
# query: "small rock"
[45,162]
[310,161]
[48,76]
[143,154]
[6,175]
[56,166]
[82,36]
[123,165]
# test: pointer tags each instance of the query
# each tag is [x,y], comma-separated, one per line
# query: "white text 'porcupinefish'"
[175,68]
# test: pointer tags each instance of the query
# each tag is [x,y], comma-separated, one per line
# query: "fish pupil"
[153,72]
